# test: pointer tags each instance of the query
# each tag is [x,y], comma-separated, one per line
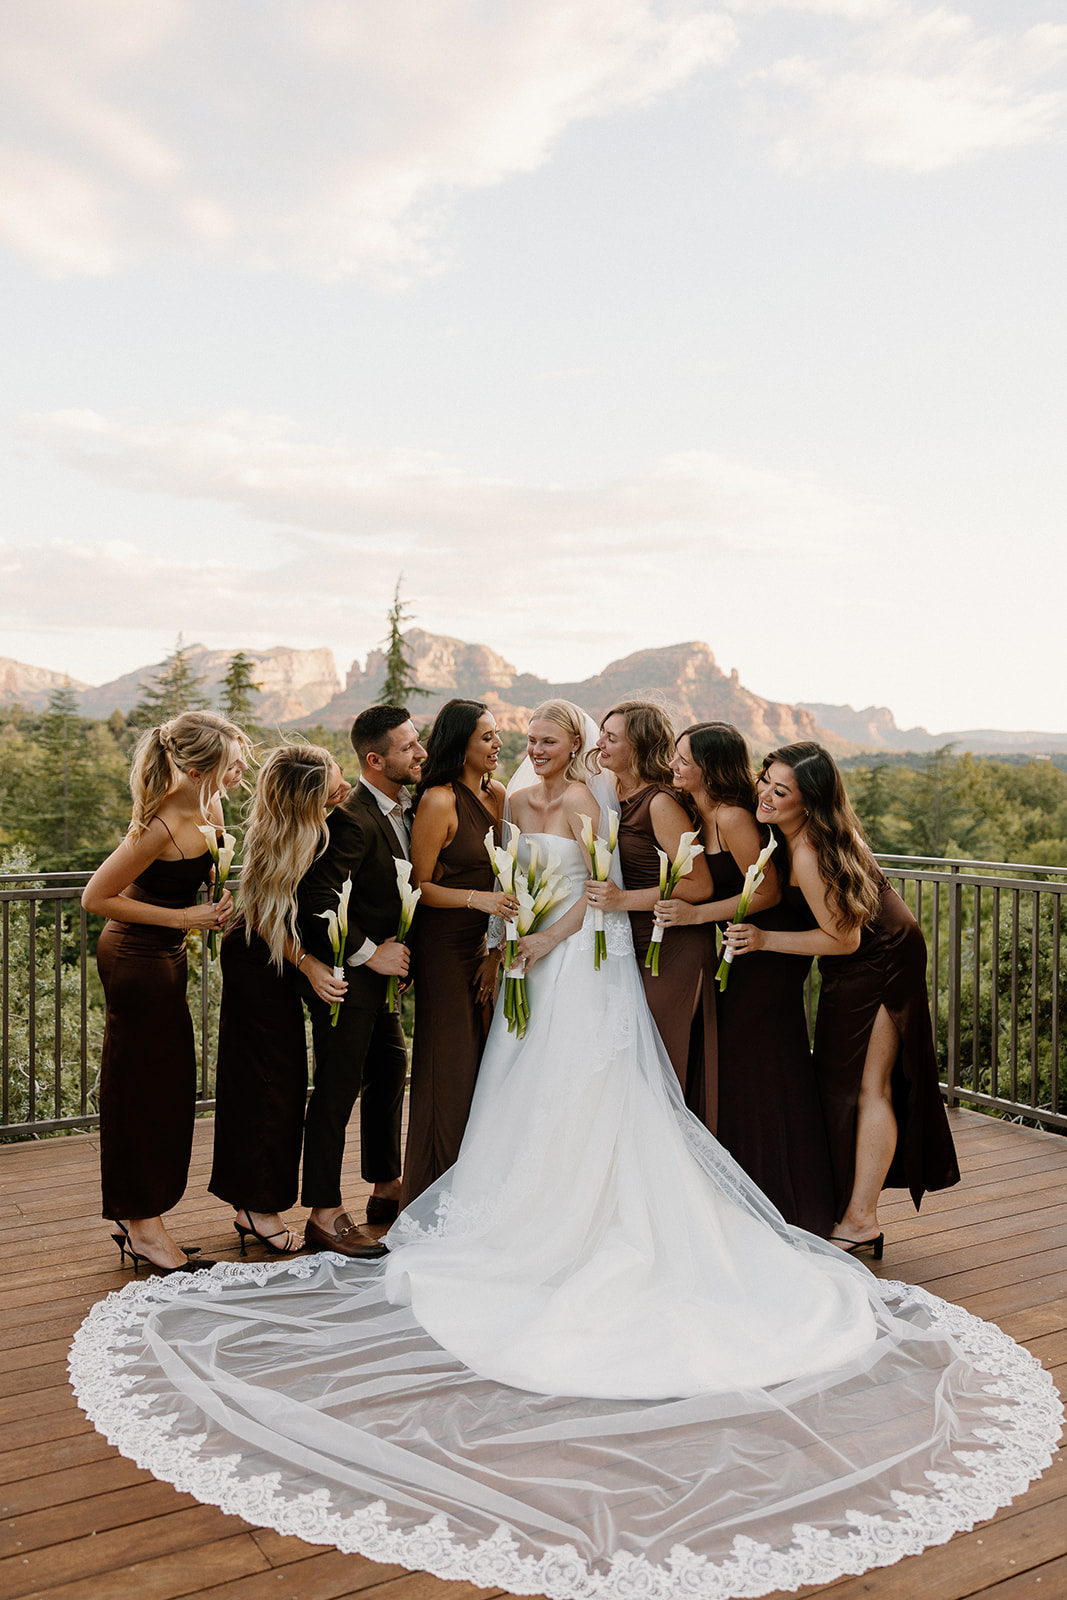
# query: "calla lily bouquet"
[753,879]
[670,874]
[505,861]
[337,924]
[536,899]
[409,899]
[600,852]
[222,856]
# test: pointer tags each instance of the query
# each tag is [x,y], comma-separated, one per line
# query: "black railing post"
[955,985]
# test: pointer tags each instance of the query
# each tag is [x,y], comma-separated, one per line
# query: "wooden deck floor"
[78,1522]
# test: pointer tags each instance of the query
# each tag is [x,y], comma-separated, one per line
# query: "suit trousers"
[362,1058]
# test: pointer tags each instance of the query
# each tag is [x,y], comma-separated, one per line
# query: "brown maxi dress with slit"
[682,998]
[148,1066]
[889,969]
[447,946]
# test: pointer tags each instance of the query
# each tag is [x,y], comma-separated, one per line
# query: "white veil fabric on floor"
[596,1364]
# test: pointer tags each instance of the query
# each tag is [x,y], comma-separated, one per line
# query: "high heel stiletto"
[186,1249]
[854,1246]
[123,1241]
[264,1238]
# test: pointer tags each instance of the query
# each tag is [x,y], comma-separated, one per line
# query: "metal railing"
[994,933]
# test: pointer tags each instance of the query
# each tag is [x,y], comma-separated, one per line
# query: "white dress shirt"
[398,813]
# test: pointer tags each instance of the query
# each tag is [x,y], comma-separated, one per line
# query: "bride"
[595,1357]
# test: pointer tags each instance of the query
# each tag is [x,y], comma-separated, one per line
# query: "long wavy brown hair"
[846,864]
[720,751]
[650,734]
[286,831]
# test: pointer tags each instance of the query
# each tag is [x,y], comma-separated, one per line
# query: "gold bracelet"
[469,898]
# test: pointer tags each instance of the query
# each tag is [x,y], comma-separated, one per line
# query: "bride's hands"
[604,896]
[528,950]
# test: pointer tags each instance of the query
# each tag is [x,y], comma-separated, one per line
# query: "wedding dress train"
[596,1362]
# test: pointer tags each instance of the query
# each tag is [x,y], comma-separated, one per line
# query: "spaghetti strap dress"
[770,1114]
[261,1078]
[447,946]
[888,969]
[682,997]
[148,1066]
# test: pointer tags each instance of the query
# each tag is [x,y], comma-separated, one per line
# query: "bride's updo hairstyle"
[570,719]
[195,741]
[720,751]
[835,832]
[447,741]
[650,735]
[284,835]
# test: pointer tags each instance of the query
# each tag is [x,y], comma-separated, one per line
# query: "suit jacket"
[361,843]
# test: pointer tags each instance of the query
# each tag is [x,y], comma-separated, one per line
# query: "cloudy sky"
[607,323]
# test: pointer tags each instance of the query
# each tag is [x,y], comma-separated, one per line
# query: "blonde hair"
[195,741]
[285,833]
[570,719]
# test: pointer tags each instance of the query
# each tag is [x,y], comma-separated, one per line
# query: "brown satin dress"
[889,969]
[770,1114]
[261,1079]
[148,1066]
[682,998]
[447,946]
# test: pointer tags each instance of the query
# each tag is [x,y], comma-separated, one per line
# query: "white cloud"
[309,134]
[912,89]
[403,498]
[549,573]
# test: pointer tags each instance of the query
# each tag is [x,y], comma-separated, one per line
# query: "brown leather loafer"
[346,1240]
[381,1210]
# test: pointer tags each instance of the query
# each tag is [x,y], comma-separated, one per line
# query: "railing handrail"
[950,864]
[996,935]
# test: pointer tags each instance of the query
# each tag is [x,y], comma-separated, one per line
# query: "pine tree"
[239,689]
[399,685]
[175,688]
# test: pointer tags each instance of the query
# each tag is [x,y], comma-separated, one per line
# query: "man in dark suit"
[363,1056]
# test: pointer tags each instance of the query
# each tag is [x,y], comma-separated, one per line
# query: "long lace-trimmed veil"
[596,1364]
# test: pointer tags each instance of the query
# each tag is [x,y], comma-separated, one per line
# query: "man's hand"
[390,959]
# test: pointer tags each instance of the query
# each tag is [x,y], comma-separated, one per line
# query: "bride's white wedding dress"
[595,1363]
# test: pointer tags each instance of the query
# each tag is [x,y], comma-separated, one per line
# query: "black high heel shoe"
[123,1241]
[854,1246]
[187,1249]
[264,1238]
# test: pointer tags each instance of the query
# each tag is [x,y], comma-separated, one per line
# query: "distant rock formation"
[684,678]
[31,686]
[293,683]
[874,729]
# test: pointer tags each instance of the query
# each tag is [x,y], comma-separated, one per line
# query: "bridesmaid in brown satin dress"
[148,888]
[874,1053]
[262,1073]
[636,745]
[770,1116]
[459,802]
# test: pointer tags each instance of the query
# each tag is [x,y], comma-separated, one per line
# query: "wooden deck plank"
[186,1572]
[189,1529]
[95,1527]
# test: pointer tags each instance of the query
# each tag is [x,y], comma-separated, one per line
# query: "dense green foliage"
[977,807]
